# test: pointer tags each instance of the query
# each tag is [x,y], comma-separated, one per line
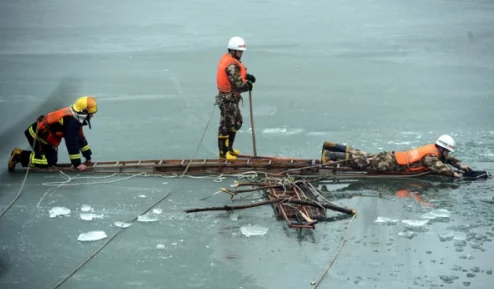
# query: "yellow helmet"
[85,104]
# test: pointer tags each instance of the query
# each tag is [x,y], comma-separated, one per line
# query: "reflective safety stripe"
[33,134]
[38,161]
[85,148]
[75,156]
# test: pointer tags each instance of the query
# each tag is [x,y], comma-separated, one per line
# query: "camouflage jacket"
[435,165]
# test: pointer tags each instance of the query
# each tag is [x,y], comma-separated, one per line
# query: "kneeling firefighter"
[46,133]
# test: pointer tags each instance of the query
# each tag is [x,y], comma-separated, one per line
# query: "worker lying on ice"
[46,133]
[431,157]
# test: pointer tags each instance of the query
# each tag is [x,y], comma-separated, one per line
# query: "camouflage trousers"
[381,162]
[230,118]
[360,160]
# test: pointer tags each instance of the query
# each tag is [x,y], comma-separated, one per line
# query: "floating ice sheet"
[122,224]
[255,230]
[436,214]
[147,218]
[92,236]
[386,220]
[415,223]
[86,208]
[59,211]
[407,234]
[90,216]
[446,236]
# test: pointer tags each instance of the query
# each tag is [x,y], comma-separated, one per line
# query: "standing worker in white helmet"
[46,134]
[232,79]
[432,157]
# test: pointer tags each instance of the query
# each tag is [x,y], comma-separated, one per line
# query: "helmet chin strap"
[88,121]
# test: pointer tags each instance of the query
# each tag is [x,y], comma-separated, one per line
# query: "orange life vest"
[222,80]
[50,126]
[411,158]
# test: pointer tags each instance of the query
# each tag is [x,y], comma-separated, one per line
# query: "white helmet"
[237,43]
[447,142]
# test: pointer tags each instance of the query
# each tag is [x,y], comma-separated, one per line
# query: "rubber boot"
[229,144]
[335,147]
[15,157]
[223,149]
[334,156]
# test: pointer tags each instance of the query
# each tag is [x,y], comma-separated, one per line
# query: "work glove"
[250,85]
[250,78]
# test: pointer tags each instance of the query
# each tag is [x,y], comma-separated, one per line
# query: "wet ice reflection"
[234,217]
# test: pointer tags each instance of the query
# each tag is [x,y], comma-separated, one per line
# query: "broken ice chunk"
[86,208]
[92,236]
[386,220]
[255,230]
[122,224]
[147,218]
[407,234]
[415,223]
[446,236]
[436,214]
[59,211]
[90,216]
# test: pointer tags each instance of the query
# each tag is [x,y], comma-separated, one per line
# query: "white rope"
[69,179]
[25,176]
